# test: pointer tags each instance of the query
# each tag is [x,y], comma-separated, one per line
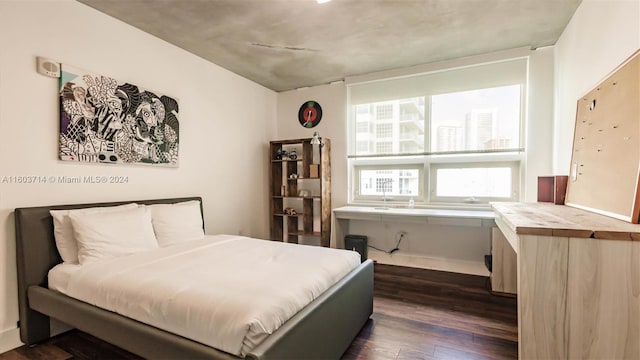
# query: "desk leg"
[340,228]
[542,297]
[504,264]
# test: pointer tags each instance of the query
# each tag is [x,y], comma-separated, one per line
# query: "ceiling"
[288,44]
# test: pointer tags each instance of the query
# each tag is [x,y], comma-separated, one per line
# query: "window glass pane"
[384,111]
[389,182]
[483,119]
[494,182]
[363,146]
[392,127]
[362,127]
[384,147]
[384,131]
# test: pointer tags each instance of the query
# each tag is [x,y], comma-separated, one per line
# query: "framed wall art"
[103,120]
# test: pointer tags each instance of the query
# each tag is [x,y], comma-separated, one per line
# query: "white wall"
[225,124]
[599,37]
[333,100]
[539,129]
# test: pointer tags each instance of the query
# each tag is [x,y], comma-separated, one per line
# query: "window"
[450,137]
[474,183]
[388,182]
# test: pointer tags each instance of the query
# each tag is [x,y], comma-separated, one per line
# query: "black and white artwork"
[105,121]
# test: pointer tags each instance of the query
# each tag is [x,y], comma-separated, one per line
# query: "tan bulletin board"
[603,177]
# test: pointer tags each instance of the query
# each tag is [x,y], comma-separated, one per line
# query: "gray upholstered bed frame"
[322,330]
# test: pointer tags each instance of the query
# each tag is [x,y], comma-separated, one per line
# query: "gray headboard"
[36,254]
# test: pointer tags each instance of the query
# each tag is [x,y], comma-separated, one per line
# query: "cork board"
[606,146]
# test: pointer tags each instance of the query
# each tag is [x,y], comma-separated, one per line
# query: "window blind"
[420,112]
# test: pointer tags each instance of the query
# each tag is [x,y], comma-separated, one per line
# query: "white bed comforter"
[228,292]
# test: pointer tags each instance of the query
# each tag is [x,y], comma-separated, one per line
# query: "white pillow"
[176,223]
[63,232]
[114,234]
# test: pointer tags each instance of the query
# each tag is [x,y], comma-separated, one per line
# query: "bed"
[323,329]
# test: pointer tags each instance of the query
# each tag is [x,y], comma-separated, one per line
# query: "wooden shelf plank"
[302,233]
[285,160]
[297,197]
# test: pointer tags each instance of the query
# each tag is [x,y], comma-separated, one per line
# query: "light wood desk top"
[546,219]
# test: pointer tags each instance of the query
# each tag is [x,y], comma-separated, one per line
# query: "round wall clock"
[310,114]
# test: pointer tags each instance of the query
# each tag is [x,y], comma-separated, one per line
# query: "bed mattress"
[227,292]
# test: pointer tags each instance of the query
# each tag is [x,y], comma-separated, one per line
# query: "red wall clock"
[310,114]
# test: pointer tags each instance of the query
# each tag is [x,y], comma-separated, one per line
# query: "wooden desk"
[342,215]
[459,225]
[578,279]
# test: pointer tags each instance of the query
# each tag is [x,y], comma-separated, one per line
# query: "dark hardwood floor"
[418,314]
[425,314]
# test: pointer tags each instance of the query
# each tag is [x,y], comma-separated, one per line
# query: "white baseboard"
[9,340]
[424,262]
